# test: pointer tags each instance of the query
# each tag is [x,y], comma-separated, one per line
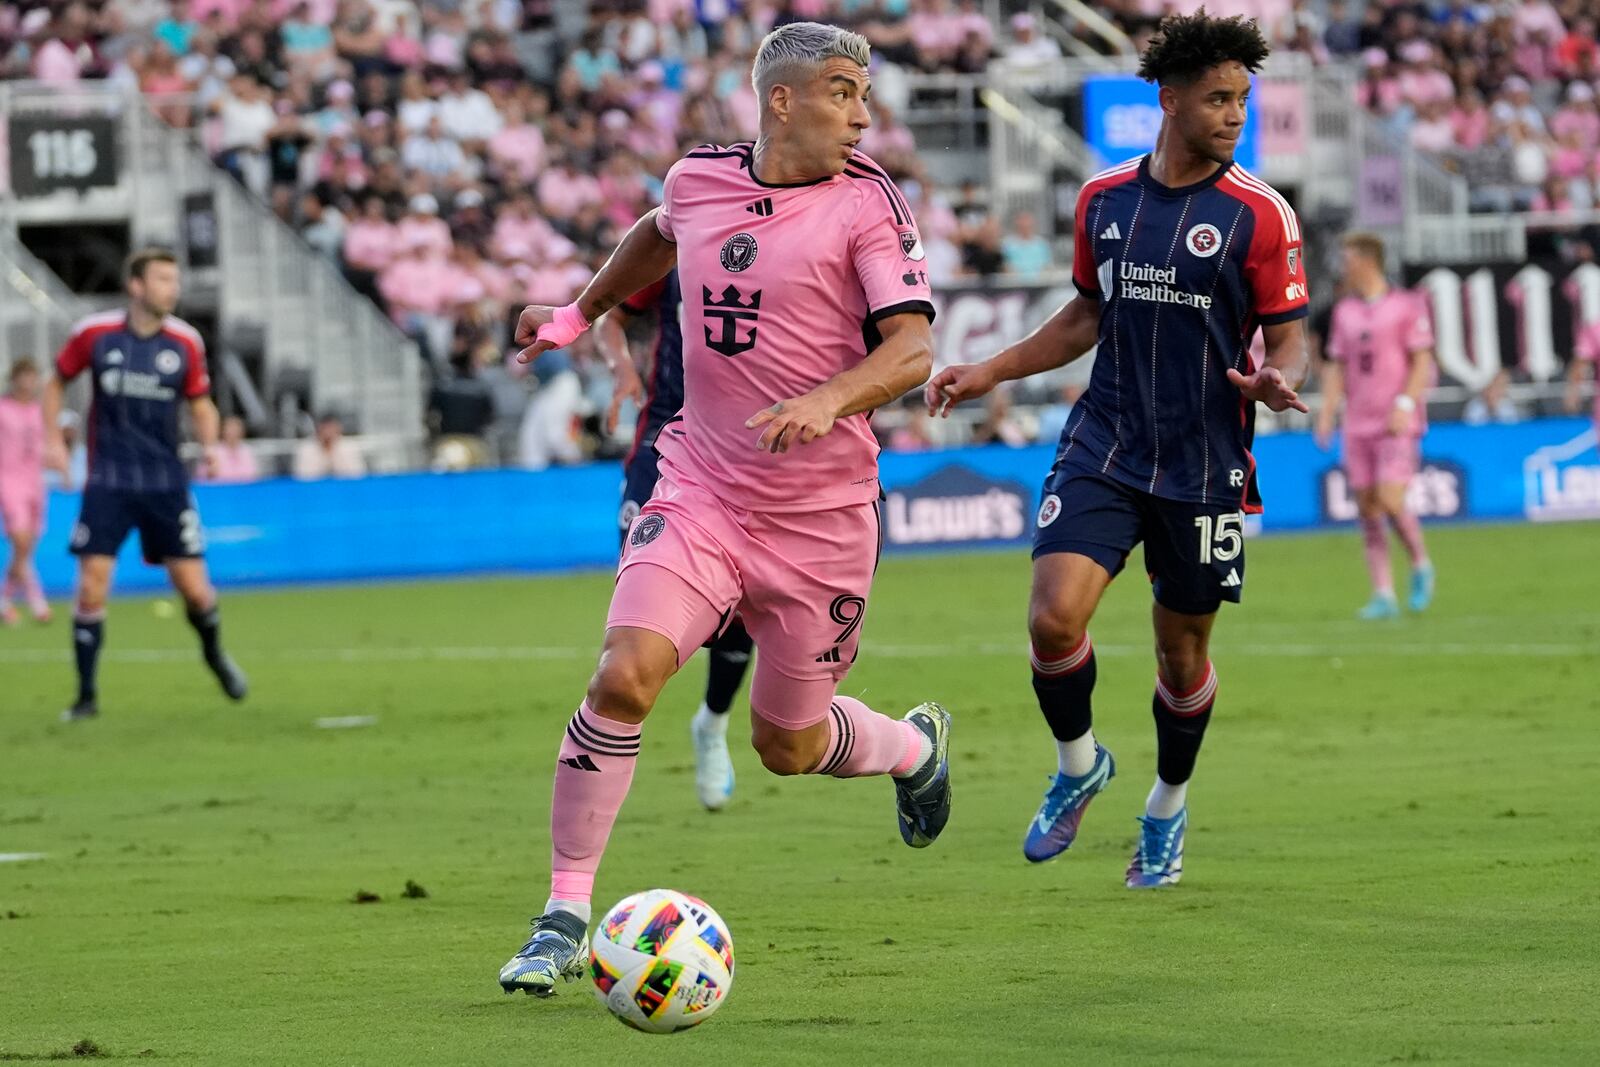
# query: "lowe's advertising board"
[417,525]
[1122,115]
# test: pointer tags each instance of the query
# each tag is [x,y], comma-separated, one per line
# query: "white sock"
[710,722]
[1075,758]
[580,908]
[1165,799]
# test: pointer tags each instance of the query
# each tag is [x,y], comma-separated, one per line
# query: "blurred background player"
[142,361]
[1585,364]
[22,495]
[800,319]
[658,402]
[1175,253]
[1380,365]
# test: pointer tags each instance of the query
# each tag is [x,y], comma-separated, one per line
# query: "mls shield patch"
[1294,261]
[738,252]
[911,245]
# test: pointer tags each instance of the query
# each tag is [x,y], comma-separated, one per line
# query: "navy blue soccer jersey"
[664,382]
[1184,277]
[139,384]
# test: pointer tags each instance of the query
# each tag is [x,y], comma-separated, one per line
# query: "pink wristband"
[565,328]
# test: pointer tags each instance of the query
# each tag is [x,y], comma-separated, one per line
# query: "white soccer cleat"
[713,767]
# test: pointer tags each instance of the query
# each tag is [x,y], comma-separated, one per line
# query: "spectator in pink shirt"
[1555,196]
[1433,131]
[563,189]
[521,235]
[1422,82]
[1470,120]
[371,241]
[422,226]
[1569,159]
[1379,89]
[623,190]
[416,289]
[233,461]
[518,149]
[1578,116]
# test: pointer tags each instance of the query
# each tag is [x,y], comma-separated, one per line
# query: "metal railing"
[37,310]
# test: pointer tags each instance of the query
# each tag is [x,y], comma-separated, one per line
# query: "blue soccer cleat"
[922,800]
[1053,830]
[1158,860]
[1422,587]
[558,949]
[1381,606]
[713,767]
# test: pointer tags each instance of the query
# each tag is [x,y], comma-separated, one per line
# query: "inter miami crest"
[738,252]
[647,529]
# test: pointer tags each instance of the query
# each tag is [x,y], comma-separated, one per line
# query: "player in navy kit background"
[659,402]
[142,361]
[1179,257]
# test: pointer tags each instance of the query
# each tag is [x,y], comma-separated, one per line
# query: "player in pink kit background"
[805,305]
[22,496]
[1585,362]
[1380,352]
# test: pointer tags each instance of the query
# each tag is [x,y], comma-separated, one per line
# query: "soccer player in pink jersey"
[806,305]
[1380,365]
[22,495]
[1585,362]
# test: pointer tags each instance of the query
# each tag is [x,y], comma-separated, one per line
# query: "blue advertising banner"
[1122,115]
[417,525]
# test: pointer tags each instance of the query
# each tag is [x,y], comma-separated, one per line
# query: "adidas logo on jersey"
[580,762]
[1111,233]
[762,207]
[1232,581]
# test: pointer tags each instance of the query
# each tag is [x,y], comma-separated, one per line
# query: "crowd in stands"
[456,178]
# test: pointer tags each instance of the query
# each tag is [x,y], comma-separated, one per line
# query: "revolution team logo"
[1204,240]
[168,361]
[1049,510]
[646,530]
[911,246]
[738,252]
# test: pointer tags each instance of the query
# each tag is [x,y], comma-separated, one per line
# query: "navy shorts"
[1194,553]
[168,523]
[639,477]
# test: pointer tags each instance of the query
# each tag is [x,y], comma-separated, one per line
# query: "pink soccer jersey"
[782,288]
[1587,349]
[21,465]
[21,443]
[1374,341]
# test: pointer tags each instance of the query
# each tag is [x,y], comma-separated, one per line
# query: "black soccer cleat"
[922,801]
[229,676]
[83,709]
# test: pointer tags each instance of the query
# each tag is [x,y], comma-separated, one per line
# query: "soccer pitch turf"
[1393,854]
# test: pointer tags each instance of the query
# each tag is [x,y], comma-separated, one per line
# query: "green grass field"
[1393,856]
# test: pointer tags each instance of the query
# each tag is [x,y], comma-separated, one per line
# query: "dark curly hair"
[1186,46]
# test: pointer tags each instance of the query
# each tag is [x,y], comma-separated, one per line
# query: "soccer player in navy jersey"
[1179,256]
[144,364]
[659,401]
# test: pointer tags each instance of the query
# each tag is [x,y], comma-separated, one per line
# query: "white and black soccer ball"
[662,961]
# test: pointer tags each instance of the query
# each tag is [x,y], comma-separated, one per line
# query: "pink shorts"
[798,580]
[1381,459]
[22,510]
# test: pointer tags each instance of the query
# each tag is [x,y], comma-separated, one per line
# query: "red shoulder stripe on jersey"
[178,328]
[1259,195]
[866,164]
[883,186]
[1249,180]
